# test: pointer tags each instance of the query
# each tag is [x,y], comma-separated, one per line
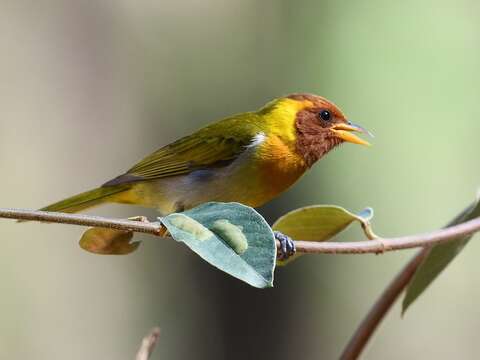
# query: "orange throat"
[279,168]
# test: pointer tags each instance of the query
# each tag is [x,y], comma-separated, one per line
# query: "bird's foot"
[287,246]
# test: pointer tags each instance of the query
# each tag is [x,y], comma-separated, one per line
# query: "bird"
[249,158]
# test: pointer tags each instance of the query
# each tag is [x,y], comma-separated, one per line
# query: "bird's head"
[320,126]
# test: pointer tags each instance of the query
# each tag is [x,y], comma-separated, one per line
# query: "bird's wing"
[213,146]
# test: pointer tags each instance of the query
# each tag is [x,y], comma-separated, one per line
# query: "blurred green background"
[89,87]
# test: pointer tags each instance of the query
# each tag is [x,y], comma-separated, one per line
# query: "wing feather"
[213,146]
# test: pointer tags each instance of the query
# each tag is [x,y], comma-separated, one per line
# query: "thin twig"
[148,344]
[153,228]
[378,245]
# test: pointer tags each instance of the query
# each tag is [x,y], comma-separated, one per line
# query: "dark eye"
[325,115]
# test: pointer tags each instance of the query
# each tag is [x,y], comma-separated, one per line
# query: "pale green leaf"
[319,223]
[230,236]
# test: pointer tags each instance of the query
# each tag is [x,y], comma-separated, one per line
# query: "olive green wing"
[216,145]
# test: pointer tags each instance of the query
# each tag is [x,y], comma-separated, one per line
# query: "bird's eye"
[325,115]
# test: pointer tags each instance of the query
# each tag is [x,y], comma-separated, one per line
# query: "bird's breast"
[278,166]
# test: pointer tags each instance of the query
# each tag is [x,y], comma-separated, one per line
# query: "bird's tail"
[86,199]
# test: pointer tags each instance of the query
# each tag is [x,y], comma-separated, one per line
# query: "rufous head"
[321,126]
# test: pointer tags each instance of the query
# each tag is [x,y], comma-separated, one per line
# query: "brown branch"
[369,324]
[380,308]
[148,344]
[378,245]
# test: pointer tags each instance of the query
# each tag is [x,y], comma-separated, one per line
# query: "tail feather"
[85,200]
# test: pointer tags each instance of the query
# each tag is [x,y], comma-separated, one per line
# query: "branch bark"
[375,246]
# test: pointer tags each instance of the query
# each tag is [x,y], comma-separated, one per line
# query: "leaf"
[438,258]
[319,223]
[108,241]
[230,236]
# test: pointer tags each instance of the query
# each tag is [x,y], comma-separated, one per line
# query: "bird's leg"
[287,246]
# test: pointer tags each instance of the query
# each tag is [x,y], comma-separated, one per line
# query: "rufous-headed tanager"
[248,158]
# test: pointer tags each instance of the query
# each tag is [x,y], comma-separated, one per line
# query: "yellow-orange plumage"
[249,158]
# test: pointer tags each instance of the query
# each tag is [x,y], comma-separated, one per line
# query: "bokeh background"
[89,87]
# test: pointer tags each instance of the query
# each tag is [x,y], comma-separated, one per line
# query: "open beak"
[345,132]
